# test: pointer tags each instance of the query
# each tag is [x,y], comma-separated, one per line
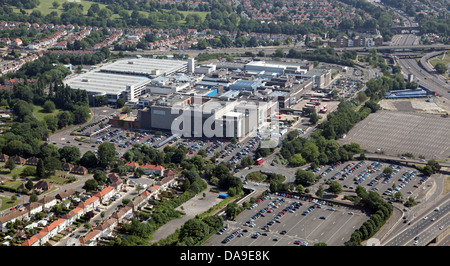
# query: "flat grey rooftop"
[395,133]
[144,66]
[101,82]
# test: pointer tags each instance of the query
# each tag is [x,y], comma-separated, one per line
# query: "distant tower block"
[191,65]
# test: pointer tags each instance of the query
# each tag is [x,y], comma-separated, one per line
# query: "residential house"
[12,217]
[74,214]
[133,166]
[35,240]
[154,191]
[67,166]
[91,238]
[48,202]
[90,204]
[33,208]
[115,181]
[17,159]
[4,157]
[137,203]
[150,169]
[52,230]
[107,227]
[42,186]
[61,196]
[167,182]
[123,214]
[79,170]
[105,194]
[32,161]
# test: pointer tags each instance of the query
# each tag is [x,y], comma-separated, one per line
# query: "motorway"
[405,39]
[423,77]
[268,50]
[425,226]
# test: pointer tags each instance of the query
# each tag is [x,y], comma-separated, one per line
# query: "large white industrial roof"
[145,66]
[101,82]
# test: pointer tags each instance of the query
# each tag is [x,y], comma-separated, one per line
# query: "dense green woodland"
[131,13]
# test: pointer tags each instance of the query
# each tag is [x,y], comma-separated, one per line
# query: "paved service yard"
[324,223]
[395,133]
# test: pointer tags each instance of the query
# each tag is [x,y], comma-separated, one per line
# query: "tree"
[319,192]
[313,117]
[40,169]
[22,109]
[195,229]
[434,165]
[106,154]
[89,160]
[304,178]
[120,102]
[335,187]
[279,53]
[427,170]
[441,67]
[70,153]
[388,171]
[33,197]
[90,184]
[55,4]
[100,177]
[232,210]
[10,164]
[49,106]
[297,160]
[51,164]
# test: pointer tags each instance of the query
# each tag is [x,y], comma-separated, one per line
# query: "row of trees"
[380,210]
[175,158]
[327,54]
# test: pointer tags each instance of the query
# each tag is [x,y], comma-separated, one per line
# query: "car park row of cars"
[372,176]
[94,126]
[271,207]
[223,147]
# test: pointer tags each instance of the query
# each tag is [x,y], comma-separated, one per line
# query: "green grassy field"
[38,112]
[201,14]
[46,6]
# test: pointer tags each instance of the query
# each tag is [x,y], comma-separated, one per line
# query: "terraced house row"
[87,207]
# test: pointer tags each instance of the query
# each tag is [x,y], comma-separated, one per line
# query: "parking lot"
[225,150]
[368,174]
[395,133]
[278,220]
[347,86]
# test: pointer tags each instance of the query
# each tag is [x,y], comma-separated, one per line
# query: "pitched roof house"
[67,166]
[79,170]
[115,181]
[65,194]
[150,169]
[42,186]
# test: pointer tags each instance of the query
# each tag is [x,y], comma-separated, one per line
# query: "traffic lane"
[410,66]
[419,224]
[435,228]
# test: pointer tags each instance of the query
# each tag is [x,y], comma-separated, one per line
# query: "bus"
[259,161]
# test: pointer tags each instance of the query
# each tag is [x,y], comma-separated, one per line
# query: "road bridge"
[405,28]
